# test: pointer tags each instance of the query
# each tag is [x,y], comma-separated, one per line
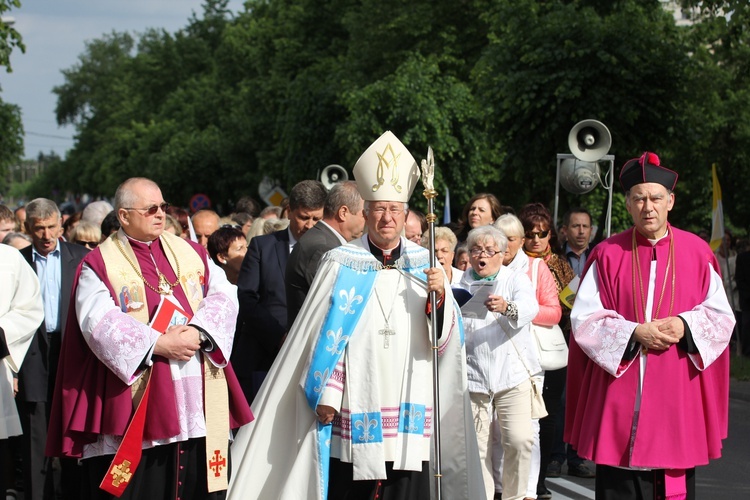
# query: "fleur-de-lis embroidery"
[351,298]
[412,416]
[366,424]
[338,339]
[321,378]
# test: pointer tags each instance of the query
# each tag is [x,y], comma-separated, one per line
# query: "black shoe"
[554,469]
[542,493]
[580,470]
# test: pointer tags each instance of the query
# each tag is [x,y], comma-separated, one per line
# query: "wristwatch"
[205,340]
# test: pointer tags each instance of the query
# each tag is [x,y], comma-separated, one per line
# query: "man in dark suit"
[55,263]
[343,221]
[261,290]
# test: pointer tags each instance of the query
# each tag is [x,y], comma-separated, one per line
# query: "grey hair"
[125,196]
[369,202]
[441,233]
[14,236]
[342,194]
[510,225]
[40,209]
[482,233]
[96,211]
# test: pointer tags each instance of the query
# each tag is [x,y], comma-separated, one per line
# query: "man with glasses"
[354,375]
[145,395]
[55,263]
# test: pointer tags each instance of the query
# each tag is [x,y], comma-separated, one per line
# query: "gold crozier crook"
[388,159]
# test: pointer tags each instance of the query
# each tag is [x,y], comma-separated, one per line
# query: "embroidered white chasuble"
[335,354]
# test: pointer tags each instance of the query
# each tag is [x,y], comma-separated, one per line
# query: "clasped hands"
[660,334]
[180,343]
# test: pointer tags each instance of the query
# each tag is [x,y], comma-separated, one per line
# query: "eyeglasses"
[151,211]
[476,252]
[380,211]
[532,234]
[89,244]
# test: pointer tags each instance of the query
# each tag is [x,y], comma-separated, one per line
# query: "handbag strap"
[535,272]
[510,337]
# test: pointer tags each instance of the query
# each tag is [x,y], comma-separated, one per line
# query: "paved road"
[728,477]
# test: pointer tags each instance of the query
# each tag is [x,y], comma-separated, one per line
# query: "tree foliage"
[287,87]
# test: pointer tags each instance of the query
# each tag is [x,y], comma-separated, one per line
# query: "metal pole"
[557,189]
[428,169]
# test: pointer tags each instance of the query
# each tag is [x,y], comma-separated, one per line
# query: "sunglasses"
[89,244]
[532,234]
[151,211]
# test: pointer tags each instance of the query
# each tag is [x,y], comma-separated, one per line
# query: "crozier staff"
[346,410]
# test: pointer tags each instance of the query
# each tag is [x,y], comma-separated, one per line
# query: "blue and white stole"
[351,293]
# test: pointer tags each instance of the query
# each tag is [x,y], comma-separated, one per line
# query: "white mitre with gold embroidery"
[386,171]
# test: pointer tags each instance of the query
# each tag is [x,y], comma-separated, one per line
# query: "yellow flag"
[717,218]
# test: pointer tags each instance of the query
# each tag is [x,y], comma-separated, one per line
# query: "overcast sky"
[54,32]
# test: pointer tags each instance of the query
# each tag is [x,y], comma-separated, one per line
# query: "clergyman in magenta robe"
[648,373]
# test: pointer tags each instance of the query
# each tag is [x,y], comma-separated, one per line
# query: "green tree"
[9,38]
[549,65]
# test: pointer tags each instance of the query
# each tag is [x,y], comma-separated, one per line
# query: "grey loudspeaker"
[333,174]
[589,140]
[578,177]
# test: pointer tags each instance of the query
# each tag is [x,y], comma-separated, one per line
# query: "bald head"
[140,208]
[205,223]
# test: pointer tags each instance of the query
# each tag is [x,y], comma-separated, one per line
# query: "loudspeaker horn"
[589,140]
[333,174]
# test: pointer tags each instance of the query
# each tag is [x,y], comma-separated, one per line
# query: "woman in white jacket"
[500,358]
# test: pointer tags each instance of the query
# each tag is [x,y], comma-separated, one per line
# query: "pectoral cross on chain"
[386,333]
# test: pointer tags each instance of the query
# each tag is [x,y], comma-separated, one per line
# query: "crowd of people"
[136,337]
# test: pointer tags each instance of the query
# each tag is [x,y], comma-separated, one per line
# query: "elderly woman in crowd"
[549,314]
[500,359]
[86,234]
[227,248]
[481,210]
[445,246]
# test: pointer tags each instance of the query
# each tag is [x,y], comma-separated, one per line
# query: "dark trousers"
[554,384]
[562,452]
[165,472]
[37,474]
[399,485]
[613,483]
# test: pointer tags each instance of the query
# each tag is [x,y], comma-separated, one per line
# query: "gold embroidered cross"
[121,473]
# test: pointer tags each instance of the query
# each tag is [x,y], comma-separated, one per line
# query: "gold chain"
[637,269]
[165,287]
